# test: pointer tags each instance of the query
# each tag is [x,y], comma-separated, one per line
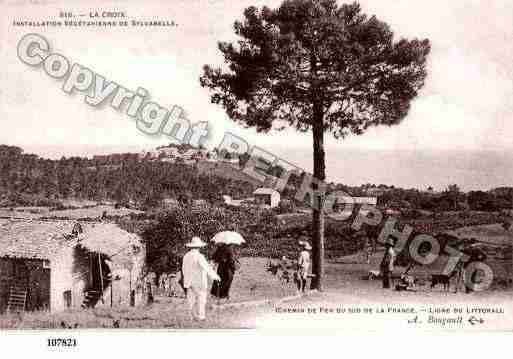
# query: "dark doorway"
[21,273]
[100,279]
[67,299]
[100,272]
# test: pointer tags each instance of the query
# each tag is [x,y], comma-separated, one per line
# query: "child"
[304,265]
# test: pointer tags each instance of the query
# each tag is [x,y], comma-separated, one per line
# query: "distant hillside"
[226,170]
[28,180]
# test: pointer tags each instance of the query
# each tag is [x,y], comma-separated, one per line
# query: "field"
[493,234]
[93,211]
[263,293]
[256,293]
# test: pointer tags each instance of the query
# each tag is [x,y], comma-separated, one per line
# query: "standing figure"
[226,267]
[196,271]
[163,284]
[303,266]
[473,254]
[150,286]
[368,248]
[387,264]
[459,269]
[180,281]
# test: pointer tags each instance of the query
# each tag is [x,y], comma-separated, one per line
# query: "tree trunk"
[319,173]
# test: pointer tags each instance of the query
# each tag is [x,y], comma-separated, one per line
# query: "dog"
[284,265]
[282,269]
[297,280]
[410,280]
[444,279]
[406,282]
[374,274]
[273,268]
[504,282]
[285,276]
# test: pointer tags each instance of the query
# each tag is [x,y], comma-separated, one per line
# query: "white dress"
[304,264]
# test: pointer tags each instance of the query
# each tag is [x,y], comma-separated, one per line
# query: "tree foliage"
[316,65]
[316,52]
[26,179]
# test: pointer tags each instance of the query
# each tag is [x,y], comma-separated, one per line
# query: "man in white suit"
[196,271]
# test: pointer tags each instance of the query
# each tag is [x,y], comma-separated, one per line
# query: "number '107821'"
[61,342]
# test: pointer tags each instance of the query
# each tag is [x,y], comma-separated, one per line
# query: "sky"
[466,104]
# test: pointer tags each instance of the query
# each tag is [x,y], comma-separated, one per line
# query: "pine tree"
[316,66]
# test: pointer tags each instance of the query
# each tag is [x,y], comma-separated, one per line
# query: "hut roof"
[32,239]
[35,239]
[108,239]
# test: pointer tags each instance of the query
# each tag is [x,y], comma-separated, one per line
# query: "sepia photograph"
[317,165]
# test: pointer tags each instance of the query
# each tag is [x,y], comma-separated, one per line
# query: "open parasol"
[228,237]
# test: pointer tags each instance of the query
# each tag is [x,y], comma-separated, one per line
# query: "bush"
[166,234]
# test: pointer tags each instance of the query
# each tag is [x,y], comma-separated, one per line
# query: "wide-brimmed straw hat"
[389,241]
[196,242]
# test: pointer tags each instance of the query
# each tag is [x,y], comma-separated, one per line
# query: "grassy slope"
[344,287]
[343,283]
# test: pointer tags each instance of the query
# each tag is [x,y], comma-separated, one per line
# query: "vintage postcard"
[315,165]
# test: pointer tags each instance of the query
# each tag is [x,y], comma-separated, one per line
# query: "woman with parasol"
[227,263]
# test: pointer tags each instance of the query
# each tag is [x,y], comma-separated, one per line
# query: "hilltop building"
[370,201]
[267,197]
